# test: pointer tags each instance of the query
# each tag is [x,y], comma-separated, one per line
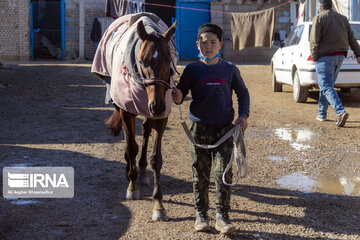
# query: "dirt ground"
[303,180]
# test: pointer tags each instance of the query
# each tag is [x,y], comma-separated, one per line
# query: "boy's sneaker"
[223,224]
[202,222]
[341,119]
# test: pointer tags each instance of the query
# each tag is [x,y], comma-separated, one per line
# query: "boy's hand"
[176,95]
[243,122]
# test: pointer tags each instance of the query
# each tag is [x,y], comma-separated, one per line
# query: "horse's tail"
[114,122]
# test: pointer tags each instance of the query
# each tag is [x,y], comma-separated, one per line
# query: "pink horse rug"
[115,58]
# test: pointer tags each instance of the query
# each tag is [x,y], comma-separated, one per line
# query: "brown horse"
[153,67]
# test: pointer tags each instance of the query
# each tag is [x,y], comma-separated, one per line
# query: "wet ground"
[303,180]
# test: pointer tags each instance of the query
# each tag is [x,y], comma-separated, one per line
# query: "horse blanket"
[116,58]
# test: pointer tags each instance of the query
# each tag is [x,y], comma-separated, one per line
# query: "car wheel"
[300,93]
[277,87]
[345,90]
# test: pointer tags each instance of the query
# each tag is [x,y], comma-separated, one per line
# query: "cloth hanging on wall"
[105,23]
[116,8]
[342,7]
[301,13]
[255,29]
[136,6]
[96,34]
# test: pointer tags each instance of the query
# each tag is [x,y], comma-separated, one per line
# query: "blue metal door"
[190,15]
[47,29]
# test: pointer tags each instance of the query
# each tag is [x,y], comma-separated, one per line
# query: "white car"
[292,64]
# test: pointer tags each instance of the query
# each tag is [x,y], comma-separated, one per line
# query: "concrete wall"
[248,55]
[14,30]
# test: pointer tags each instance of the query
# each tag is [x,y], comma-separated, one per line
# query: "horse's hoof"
[159,215]
[132,195]
[143,180]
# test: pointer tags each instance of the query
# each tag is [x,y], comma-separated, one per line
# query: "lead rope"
[238,139]
[240,162]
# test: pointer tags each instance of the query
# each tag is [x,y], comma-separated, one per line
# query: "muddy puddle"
[346,183]
[277,159]
[299,138]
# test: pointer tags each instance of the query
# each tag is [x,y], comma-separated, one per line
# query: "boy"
[211,81]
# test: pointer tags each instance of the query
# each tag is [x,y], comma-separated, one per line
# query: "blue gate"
[47,29]
[189,20]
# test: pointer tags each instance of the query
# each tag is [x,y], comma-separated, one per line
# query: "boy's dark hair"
[327,4]
[210,27]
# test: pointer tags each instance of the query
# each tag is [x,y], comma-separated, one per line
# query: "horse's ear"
[141,31]
[170,32]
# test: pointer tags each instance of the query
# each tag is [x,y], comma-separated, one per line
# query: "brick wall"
[248,55]
[93,9]
[14,30]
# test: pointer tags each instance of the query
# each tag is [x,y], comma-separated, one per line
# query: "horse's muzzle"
[157,109]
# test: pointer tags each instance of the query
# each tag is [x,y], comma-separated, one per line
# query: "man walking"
[330,38]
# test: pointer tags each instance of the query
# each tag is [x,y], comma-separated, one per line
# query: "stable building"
[50,29]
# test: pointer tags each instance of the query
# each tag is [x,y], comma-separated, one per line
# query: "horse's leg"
[143,178]
[159,125]
[129,127]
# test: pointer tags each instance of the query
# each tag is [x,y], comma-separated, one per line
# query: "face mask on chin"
[208,59]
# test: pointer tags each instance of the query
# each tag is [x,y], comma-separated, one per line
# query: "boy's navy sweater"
[211,89]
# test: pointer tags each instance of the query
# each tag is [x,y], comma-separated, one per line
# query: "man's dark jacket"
[331,33]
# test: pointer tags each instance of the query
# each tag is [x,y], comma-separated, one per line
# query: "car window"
[356,30]
[294,37]
[288,38]
[297,37]
[354,27]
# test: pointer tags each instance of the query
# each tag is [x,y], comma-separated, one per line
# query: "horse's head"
[154,66]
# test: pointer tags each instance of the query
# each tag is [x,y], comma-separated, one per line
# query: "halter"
[153,81]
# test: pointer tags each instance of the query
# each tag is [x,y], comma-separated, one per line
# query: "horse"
[152,65]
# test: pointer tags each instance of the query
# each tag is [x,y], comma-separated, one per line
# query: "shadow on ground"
[63,106]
